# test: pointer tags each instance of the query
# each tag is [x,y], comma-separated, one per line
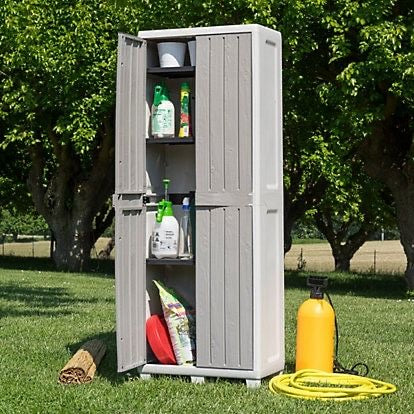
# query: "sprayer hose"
[314,384]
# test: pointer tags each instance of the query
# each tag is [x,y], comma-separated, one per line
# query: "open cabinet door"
[224,237]
[130,283]
[130,211]
[130,115]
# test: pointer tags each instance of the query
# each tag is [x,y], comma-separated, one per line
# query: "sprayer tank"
[315,336]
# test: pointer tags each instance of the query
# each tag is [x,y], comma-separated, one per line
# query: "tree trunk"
[342,262]
[344,244]
[288,224]
[295,204]
[404,201]
[74,241]
[52,244]
[388,156]
[74,201]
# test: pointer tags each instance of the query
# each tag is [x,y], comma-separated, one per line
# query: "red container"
[159,340]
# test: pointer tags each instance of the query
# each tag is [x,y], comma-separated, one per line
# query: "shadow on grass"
[37,301]
[355,284]
[108,366]
[97,267]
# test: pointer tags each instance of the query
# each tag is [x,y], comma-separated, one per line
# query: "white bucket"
[192,50]
[171,54]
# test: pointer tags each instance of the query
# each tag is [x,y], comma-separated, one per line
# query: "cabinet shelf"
[172,262]
[170,141]
[178,72]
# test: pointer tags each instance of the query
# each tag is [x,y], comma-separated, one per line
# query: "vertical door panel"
[224,263]
[224,289]
[224,122]
[130,287]
[130,115]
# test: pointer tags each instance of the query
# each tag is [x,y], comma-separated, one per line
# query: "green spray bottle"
[164,239]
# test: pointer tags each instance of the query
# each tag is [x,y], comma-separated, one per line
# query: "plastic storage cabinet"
[232,169]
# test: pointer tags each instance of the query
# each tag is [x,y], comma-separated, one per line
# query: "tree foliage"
[57,95]
[348,96]
[17,223]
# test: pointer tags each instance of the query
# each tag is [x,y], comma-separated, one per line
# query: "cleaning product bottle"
[185,124]
[315,330]
[164,238]
[162,113]
[185,249]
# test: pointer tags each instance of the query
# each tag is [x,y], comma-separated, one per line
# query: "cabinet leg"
[145,377]
[251,383]
[197,380]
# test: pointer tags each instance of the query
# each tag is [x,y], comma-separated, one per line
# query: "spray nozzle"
[317,285]
[160,93]
[164,209]
[166,183]
[164,206]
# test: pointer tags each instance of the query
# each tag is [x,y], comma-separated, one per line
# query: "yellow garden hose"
[313,384]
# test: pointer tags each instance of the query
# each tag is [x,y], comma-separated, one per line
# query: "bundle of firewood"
[82,366]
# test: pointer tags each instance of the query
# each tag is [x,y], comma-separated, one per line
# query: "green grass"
[45,316]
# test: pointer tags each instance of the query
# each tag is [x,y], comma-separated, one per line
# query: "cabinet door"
[130,281]
[130,115]
[224,287]
[224,270]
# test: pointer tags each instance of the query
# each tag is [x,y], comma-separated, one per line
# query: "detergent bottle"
[162,113]
[315,330]
[164,238]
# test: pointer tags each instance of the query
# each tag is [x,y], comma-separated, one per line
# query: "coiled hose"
[313,384]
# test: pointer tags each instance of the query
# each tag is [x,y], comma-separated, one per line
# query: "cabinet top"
[203,31]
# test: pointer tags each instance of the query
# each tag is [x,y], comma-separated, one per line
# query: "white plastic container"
[162,113]
[164,243]
[162,125]
[171,54]
[192,52]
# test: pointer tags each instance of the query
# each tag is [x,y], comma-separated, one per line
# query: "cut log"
[106,252]
[81,368]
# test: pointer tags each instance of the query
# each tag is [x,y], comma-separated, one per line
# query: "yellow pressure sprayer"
[318,374]
[315,329]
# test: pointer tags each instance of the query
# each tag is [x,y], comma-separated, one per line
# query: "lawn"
[45,316]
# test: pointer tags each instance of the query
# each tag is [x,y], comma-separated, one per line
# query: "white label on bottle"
[162,121]
[164,241]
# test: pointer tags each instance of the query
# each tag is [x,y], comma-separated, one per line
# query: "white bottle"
[164,238]
[162,114]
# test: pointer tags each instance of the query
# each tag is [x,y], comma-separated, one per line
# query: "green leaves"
[59,57]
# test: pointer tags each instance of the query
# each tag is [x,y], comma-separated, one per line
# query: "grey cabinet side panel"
[224,121]
[130,115]
[130,288]
[224,289]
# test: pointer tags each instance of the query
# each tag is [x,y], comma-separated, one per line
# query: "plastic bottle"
[185,124]
[315,330]
[162,113]
[164,238]
[185,249]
